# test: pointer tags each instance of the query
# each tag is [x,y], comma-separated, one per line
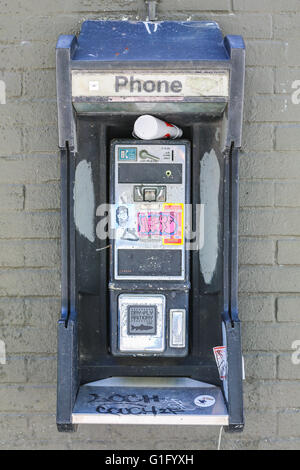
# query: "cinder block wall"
[269,224]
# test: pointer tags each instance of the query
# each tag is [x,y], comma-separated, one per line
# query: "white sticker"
[2,353]
[220,353]
[94,85]
[204,401]
[2,92]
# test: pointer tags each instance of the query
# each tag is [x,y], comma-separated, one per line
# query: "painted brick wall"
[269,224]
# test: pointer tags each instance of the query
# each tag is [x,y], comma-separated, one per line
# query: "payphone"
[149,330]
[150,262]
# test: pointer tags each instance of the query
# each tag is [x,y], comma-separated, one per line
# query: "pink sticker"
[164,224]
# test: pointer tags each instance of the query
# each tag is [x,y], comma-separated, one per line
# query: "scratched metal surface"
[147,401]
[146,41]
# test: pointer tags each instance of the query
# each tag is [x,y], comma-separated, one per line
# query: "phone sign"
[127,154]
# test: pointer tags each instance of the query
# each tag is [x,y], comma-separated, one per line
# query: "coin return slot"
[177,328]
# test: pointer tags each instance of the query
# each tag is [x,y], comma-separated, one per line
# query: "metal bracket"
[151,4]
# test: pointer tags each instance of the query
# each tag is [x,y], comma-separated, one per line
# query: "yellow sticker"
[175,223]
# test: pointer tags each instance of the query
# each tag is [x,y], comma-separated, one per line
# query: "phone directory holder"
[149,330]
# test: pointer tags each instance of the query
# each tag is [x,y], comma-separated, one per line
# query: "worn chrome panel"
[127,234]
[152,342]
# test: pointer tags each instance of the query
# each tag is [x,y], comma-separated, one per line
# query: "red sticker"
[166,224]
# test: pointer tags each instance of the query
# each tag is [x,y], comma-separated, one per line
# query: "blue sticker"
[126,154]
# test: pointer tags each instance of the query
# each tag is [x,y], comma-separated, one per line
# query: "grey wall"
[269,224]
